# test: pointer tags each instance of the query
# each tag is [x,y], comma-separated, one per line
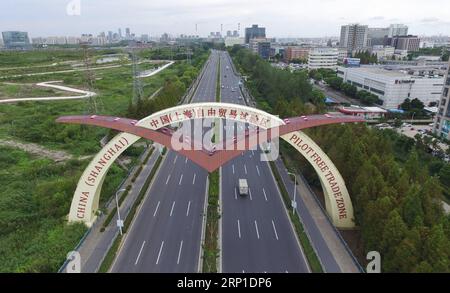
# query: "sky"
[281,18]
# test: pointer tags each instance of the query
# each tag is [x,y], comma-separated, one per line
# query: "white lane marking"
[139,254]
[193,179]
[174,161]
[245,169]
[253,153]
[235,193]
[156,210]
[168,178]
[256,227]
[250,193]
[181,179]
[265,196]
[185,161]
[189,206]
[233,168]
[257,170]
[171,210]
[159,254]
[179,252]
[239,229]
[274,230]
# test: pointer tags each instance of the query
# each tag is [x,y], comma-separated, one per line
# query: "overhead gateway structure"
[86,198]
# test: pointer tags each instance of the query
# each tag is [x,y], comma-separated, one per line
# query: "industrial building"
[394,86]
[442,120]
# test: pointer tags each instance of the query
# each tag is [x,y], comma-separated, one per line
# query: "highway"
[257,235]
[165,235]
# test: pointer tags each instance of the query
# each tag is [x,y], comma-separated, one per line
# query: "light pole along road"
[166,233]
[257,235]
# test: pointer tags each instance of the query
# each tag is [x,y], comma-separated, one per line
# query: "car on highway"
[243,187]
[287,121]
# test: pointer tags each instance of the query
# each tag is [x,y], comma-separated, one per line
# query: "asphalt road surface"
[257,235]
[166,233]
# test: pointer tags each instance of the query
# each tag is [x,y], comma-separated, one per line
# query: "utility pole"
[92,104]
[137,83]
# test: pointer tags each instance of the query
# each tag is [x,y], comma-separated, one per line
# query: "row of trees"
[350,90]
[397,202]
[174,88]
[366,57]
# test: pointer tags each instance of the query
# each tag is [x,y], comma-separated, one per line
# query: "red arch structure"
[154,127]
[202,157]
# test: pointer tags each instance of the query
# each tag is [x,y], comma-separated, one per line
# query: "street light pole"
[119,221]
[294,202]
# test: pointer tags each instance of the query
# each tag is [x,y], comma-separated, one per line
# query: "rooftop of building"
[359,109]
[395,73]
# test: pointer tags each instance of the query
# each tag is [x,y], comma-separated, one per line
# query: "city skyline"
[287,19]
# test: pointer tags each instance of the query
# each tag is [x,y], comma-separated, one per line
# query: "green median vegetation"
[210,246]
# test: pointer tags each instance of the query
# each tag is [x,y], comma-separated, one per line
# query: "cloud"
[430,19]
[305,18]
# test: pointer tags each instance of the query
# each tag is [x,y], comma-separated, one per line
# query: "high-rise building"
[235,34]
[120,33]
[164,37]
[127,33]
[16,40]
[354,36]
[376,36]
[323,58]
[254,32]
[264,50]
[442,120]
[407,43]
[397,30]
[229,34]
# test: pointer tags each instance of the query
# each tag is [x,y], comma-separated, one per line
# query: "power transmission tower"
[94,105]
[137,82]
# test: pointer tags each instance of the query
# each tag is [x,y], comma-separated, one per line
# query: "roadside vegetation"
[210,246]
[36,194]
[395,185]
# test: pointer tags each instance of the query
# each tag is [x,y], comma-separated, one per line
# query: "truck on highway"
[243,187]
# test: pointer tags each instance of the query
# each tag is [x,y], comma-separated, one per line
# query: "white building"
[397,30]
[383,52]
[342,54]
[354,36]
[231,41]
[323,58]
[394,86]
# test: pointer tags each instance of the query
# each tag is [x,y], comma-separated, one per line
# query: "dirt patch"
[35,149]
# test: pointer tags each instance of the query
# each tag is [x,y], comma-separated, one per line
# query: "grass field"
[37,193]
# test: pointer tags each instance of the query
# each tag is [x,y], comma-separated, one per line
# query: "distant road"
[165,236]
[257,234]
